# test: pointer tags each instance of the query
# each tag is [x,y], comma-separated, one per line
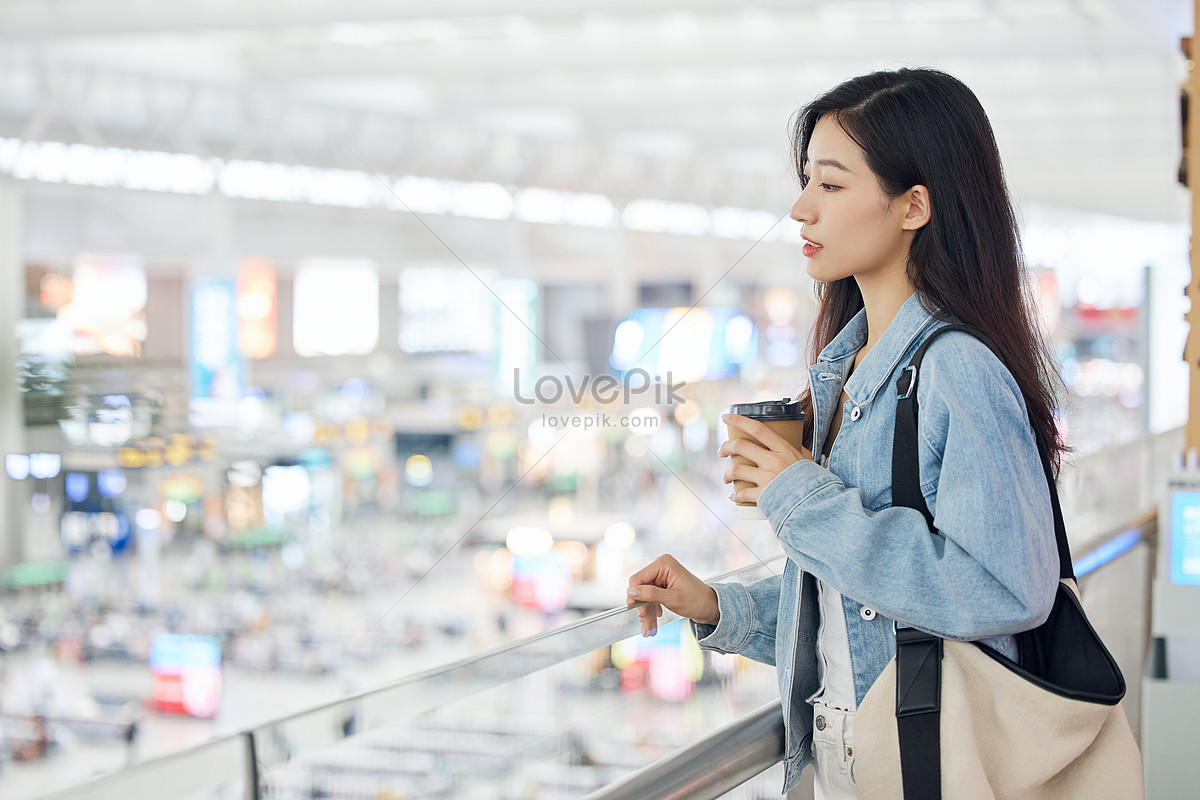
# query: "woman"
[908,227]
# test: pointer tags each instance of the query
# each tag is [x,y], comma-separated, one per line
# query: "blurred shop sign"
[186,674]
[183,487]
[315,458]
[153,451]
[82,529]
[244,507]
[107,420]
[1106,316]
[34,573]
[256,308]
[335,307]
[104,303]
[711,343]
[41,466]
[446,310]
[244,474]
[217,368]
[44,367]
[356,431]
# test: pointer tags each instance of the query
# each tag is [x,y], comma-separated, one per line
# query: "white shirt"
[836,687]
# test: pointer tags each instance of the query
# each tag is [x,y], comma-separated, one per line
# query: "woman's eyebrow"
[833,162]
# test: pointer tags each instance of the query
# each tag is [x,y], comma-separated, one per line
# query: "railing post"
[253,790]
[1192,155]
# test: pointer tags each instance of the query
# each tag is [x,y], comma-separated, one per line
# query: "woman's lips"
[811,249]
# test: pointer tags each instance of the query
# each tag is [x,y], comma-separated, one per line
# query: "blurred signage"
[361,463]
[55,290]
[243,507]
[446,309]
[244,473]
[108,420]
[153,451]
[35,573]
[689,343]
[285,493]
[335,307]
[518,344]
[186,674]
[106,305]
[80,529]
[356,431]
[315,458]
[217,369]
[185,487]
[257,308]
[1185,538]
[41,466]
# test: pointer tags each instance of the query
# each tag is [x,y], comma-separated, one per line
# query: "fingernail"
[632,591]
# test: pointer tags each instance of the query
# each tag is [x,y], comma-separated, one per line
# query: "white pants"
[833,754]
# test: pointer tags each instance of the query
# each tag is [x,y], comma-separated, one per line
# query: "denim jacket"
[989,572]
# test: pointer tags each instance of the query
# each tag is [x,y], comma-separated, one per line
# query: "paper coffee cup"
[783,417]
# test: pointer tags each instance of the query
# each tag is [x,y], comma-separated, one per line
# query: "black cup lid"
[781,410]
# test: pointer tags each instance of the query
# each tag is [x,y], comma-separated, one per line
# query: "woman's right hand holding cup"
[664,582]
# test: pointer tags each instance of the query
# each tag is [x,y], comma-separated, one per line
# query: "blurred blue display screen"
[172,652]
[691,343]
[1185,538]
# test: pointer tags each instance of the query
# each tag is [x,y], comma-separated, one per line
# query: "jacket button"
[867,613]
[855,414]
[820,723]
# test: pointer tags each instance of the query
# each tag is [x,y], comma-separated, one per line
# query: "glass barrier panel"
[1116,598]
[521,681]
[1116,484]
[561,731]
[320,727]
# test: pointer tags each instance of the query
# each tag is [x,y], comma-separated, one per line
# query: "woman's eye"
[829,187]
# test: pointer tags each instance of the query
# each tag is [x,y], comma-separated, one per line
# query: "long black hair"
[923,126]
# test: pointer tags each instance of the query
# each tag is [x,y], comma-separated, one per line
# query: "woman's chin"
[821,272]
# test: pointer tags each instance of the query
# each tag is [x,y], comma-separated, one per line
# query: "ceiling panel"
[686,101]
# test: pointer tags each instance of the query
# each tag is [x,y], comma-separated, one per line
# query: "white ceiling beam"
[39,19]
[709,44]
[713,100]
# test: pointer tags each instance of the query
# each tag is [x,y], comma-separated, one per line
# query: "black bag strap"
[918,712]
[906,480]
[919,654]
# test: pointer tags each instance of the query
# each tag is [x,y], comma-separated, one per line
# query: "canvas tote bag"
[958,720]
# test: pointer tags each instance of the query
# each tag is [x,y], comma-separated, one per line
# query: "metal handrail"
[754,743]
[709,767]
[1106,549]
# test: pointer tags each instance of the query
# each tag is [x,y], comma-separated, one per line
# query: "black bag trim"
[1110,698]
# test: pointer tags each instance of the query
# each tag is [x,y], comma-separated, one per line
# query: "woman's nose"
[800,211]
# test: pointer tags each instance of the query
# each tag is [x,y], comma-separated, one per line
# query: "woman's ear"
[918,210]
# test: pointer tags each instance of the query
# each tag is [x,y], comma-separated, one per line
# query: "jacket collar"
[910,322]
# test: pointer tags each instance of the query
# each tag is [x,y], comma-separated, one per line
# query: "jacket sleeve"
[992,567]
[749,616]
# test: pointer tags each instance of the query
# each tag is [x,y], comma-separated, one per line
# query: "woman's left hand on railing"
[665,582]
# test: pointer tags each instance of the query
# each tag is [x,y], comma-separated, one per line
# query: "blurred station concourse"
[313,486]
